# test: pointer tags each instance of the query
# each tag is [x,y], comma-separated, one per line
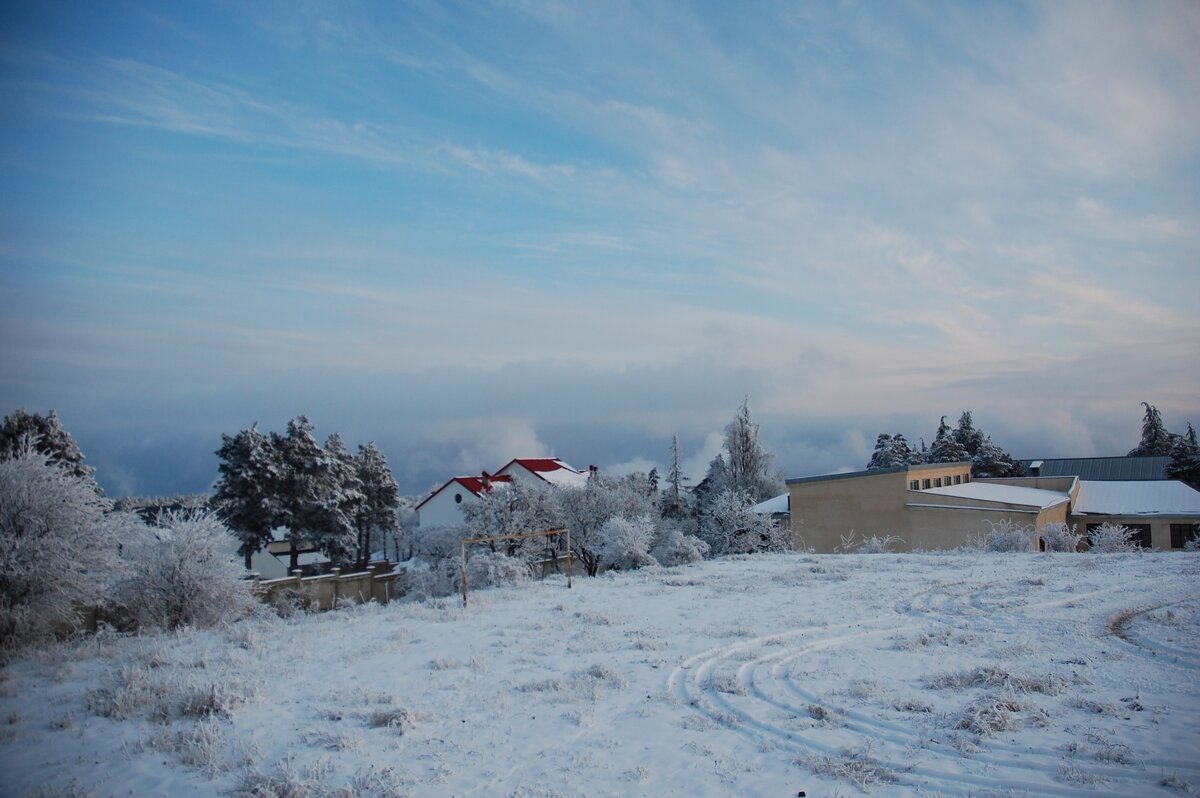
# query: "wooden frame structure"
[544,533]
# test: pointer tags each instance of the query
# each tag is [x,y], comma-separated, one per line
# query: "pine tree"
[312,496]
[341,540]
[1156,441]
[23,431]
[376,517]
[891,451]
[674,503]
[946,448]
[247,492]
[969,438]
[1185,459]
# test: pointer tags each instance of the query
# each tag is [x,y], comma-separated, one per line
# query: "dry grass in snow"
[940,674]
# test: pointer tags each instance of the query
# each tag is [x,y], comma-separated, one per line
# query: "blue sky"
[506,229]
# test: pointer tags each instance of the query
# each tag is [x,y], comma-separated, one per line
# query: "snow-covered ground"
[939,674]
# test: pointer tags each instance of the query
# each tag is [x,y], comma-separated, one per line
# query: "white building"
[545,470]
[445,505]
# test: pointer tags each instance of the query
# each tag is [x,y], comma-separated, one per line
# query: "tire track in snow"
[746,703]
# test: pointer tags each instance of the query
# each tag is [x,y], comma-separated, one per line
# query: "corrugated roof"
[1008,494]
[1147,497]
[1103,469]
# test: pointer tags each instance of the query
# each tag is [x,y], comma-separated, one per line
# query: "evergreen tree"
[247,492]
[891,451]
[992,461]
[311,497]
[674,504]
[1156,441]
[946,448]
[348,500]
[376,517]
[969,438]
[1185,459]
[747,463]
[23,431]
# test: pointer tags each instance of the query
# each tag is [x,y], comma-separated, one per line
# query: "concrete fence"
[380,582]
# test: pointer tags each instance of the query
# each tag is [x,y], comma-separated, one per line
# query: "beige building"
[939,506]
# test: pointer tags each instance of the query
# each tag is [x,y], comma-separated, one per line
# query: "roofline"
[872,472]
[1098,457]
[447,483]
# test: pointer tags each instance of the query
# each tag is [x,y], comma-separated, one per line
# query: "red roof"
[536,464]
[473,484]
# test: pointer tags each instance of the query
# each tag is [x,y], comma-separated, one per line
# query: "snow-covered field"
[939,674]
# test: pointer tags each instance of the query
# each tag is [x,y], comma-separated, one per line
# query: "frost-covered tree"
[625,542]
[319,493]
[585,509]
[747,463]
[182,572]
[515,508]
[58,547]
[349,500]
[891,451]
[674,500]
[22,430]
[730,526]
[376,517]
[248,490]
[967,436]
[990,461]
[946,448]
[1156,441]
[1185,459]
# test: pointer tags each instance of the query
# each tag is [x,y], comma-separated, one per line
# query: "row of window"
[937,482]
[1180,534]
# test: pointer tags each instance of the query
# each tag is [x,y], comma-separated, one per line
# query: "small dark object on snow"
[801,794]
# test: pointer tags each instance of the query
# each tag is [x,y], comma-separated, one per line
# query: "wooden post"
[463,547]
[568,558]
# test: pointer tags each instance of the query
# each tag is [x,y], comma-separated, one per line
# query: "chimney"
[486,479]
[593,471]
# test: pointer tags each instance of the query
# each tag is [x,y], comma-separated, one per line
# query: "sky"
[501,229]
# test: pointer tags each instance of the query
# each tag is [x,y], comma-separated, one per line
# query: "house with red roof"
[444,505]
[546,470]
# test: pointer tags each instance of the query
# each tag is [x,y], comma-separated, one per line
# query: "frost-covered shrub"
[1060,537]
[184,573]
[625,543]
[674,547]
[878,545]
[1008,535]
[492,569]
[730,526]
[58,548]
[1111,538]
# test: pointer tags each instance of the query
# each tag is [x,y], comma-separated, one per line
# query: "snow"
[777,505]
[958,674]
[1150,497]
[1009,494]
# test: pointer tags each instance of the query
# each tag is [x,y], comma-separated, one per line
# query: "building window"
[914,485]
[1182,533]
[458,498]
[925,484]
[966,477]
[958,479]
[937,482]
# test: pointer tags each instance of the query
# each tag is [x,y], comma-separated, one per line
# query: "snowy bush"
[183,573]
[730,526]
[1008,535]
[58,547]
[492,569]
[878,545]
[673,547]
[1111,538]
[625,543]
[1060,537]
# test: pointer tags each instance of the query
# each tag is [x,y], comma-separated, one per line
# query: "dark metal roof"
[1103,469]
